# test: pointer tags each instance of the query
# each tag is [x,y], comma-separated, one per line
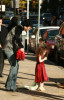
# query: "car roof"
[52,29]
[49,27]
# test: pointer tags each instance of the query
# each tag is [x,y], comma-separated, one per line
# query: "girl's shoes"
[31,87]
[34,87]
[41,89]
[27,87]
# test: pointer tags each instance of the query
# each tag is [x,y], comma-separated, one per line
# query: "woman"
[13,43]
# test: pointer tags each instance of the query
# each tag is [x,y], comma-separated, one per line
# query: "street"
[26,77]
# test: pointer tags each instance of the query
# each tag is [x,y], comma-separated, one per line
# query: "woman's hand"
[22,49]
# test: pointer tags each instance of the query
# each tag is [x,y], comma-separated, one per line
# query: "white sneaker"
[31,87]
[34,87]
[27,87]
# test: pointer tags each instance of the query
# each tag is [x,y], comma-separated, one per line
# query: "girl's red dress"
[40,72]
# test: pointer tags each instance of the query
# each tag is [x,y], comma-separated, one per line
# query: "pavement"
[26,76]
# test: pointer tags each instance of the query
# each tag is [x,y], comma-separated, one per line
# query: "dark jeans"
[1,61]
[12,77]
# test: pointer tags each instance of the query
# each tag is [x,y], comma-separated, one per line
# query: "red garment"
[20,55]
[40,72]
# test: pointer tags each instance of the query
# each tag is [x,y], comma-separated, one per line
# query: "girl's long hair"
[40,51]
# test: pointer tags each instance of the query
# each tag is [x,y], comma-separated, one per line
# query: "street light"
[14,6]
[38,22]
[27,9]
[39,6]
[27,31]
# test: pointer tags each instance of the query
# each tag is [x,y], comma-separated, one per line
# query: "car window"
[47,14]
[42,31]
[51,34]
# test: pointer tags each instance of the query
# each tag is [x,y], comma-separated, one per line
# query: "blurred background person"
[3,34]
[59,21]
[54,21]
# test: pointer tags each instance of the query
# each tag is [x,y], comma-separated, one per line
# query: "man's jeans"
[12,77]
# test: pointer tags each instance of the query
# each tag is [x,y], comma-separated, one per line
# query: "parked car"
[33,38]
[49,38]
[46,17]
[59,45]
[35,23]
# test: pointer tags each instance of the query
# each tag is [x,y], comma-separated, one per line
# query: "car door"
[60,41]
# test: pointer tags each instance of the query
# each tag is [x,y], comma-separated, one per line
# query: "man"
[3,34]
[13,43]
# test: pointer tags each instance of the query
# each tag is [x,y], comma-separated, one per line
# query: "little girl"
[40,71]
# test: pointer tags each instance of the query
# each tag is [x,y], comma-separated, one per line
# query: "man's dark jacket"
[3,34]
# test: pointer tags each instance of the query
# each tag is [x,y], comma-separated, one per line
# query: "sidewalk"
[26,77]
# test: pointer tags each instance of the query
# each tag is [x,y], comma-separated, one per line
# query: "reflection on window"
[51,34]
